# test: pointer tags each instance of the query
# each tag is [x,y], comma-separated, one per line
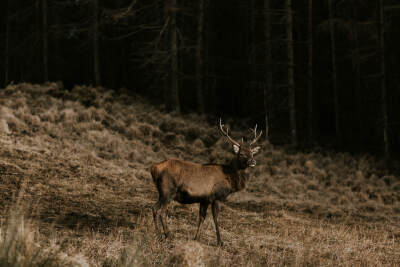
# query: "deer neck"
[237,175]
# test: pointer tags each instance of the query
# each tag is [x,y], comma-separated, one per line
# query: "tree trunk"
[165,48]
[386,141]
[268,62]
[56,43]
[199,58]
[174,59]
[357,68]
[38,73]
[212,84]
[334,74]
[44,42]
[310,74]
[95,39]
[7,45]
[291,85]
[17,35]
[266,106]
[252,57]
[209,70]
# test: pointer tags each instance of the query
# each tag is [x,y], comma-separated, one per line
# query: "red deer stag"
[187,182]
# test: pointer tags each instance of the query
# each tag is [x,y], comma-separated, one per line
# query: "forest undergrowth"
[75,190]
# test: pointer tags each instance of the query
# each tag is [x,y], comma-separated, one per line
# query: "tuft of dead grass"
[188,253]
[22,245]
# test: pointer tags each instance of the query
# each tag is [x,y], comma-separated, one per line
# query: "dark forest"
[316,72]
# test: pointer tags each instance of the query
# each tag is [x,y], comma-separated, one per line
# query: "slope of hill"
[79,161]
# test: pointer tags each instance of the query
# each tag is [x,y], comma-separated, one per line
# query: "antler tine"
[225,133]
[255,135]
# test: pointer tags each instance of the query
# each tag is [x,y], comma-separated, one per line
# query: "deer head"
[245,151]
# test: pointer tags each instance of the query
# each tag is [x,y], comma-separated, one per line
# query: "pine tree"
[95,43]
[291,85]
[310,73]
[199,59]
[334,74]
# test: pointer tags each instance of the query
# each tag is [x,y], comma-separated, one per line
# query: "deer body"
[188,182]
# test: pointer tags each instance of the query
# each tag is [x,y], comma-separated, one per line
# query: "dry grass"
[22,245]
[83,157]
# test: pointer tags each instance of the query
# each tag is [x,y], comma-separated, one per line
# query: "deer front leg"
[215,211]
[202,216]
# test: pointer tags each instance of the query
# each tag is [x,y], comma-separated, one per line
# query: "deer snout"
[251,162]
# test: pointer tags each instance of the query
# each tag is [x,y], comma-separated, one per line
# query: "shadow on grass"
[98,223]
[254,206]
[84,215]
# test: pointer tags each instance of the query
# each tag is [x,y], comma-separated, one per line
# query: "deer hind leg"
[160,209]
[163,214]
[159,213]
[166,192]
[156,213]
[202,216]
[215,211]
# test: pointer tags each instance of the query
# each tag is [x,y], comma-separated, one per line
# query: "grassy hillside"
[79,162]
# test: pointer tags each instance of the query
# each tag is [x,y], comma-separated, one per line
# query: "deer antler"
[255,135]
[225,133]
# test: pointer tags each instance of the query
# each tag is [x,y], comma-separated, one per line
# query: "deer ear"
[256,150]
[236,148]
